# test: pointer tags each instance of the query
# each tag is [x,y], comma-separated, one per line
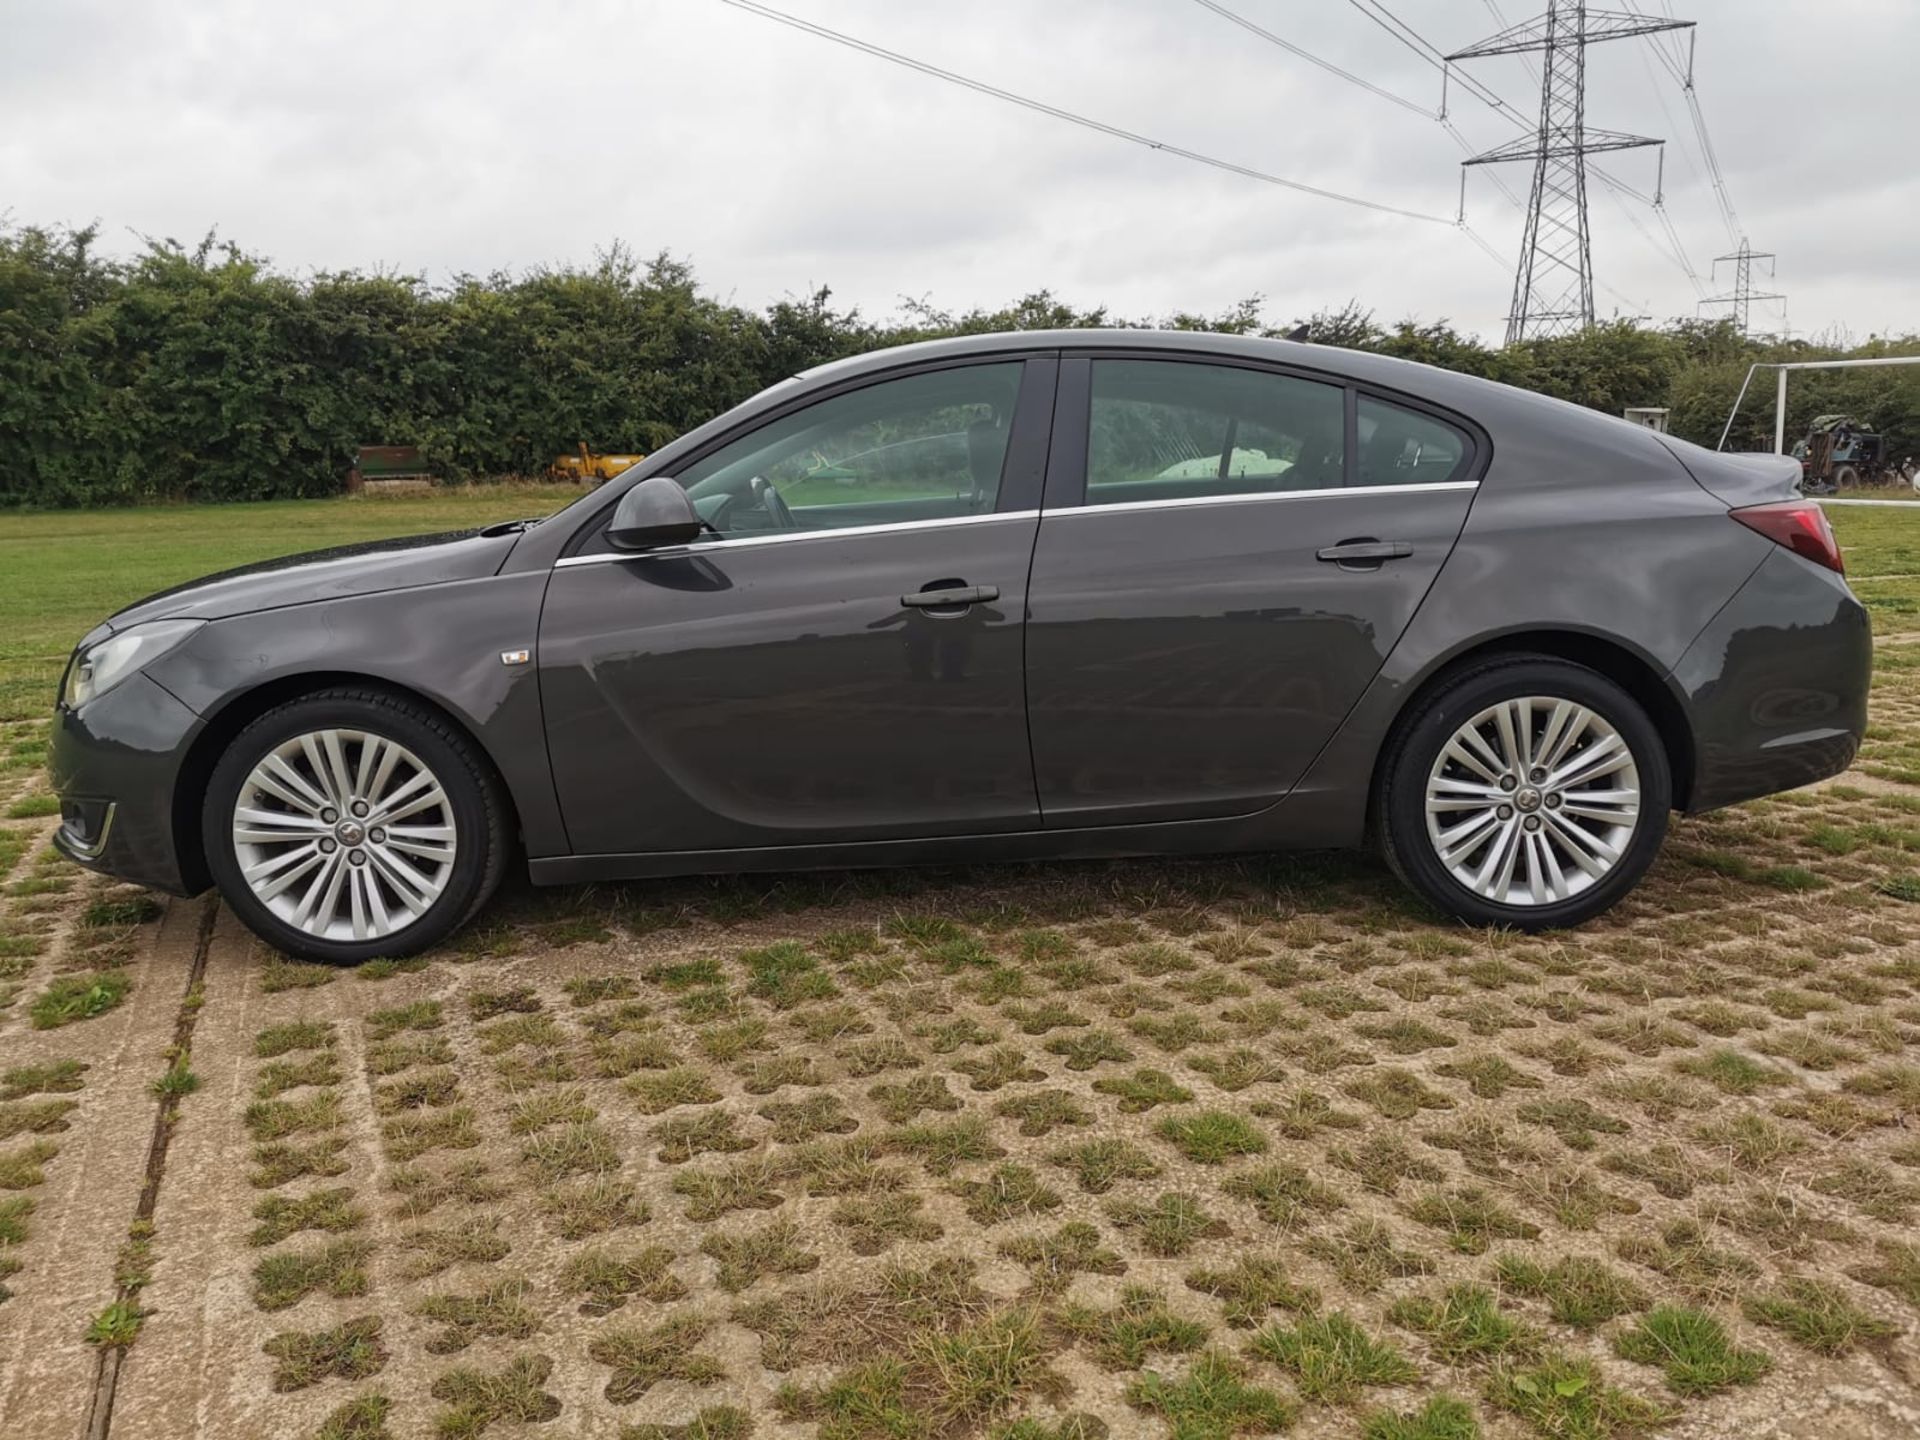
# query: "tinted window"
[1404,447]
[926,447]
[1167,430]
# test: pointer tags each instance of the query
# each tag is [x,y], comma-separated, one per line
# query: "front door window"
[925,447]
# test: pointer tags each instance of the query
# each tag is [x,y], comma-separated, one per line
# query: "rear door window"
[1180,431]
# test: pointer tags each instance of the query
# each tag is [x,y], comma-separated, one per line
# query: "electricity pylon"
[1742,296]
[1553,283]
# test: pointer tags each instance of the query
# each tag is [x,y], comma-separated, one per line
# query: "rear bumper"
[114,764]
[1777,684]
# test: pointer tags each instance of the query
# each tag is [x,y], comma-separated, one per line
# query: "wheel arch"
[1620,663]
[222,726]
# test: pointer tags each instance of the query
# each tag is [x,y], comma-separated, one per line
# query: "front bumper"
[1777,684]
[115,763]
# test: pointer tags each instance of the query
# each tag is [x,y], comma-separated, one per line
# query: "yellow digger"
[590,467]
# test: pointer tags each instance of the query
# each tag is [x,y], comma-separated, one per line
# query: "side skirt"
[1272,829]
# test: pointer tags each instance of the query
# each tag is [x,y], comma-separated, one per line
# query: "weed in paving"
[268,1120]
[1041,1112]
[408,1136]
[319,1069]
[642,1357]
[432,1250]
[279,1162]
[1253,1286]
[908,1099]
[59,1077]
[349,1351]
[1211,1137]
[1008,1192]
[748,1256]
[1817,1315]
[20,1169]
[72,998]
[1086,1049]
[699,1132]
[1331,1358]
[475,1399]
[423,1190]
[1692,1348]
[1444,1417]
[1213,1402]
[337,1268]
[1462,1324]
[1053,1260]
[279,1216]
[876,1223]
[34,1117]
[543,1109]
[1471,1217]
[429,1089]
[712,1422]
[1896,1270]
[1579,1290]
[941,1145]
[1169,1225]
[1366,1255]
[499,1311]
[795,1121]
[592,1207]
[363,1418]
[1566,1395]
[1099,1165]
[1143,1090]
[421,1015]
[657,1093]
[407,1052]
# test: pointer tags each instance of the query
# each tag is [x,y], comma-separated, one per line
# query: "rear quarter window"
[1398,446]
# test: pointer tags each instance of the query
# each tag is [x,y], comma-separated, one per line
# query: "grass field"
[68,569]
[1199,1149]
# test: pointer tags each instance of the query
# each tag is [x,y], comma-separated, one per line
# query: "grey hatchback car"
[1068,593]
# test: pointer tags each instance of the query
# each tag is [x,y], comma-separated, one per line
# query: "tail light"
[1800,525]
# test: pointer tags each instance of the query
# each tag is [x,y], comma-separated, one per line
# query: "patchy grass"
[1330,1358]
[1692,1348]
[69,999]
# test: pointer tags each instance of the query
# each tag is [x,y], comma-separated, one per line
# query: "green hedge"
[201,373]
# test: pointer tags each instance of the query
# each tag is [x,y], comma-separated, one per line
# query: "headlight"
[101,666]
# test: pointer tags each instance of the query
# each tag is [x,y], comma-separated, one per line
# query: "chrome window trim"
[786,537]
[1185,501]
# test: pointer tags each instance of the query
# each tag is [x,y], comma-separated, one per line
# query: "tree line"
[200,372]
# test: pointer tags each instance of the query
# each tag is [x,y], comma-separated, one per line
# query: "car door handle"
[951,599]
[1366,550]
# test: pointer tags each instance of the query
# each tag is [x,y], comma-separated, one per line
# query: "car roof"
[1470,394]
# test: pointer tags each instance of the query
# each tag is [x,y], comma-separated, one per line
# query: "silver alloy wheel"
[344,834]
[1532,801]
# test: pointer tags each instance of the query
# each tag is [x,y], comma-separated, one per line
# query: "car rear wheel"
[1526,792]
[352,824]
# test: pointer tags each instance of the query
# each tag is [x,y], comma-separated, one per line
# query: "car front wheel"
[1526,792]
[352,824]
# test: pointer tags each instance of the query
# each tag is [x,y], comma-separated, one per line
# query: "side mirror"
[654,512]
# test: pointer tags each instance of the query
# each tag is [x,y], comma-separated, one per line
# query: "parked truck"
[1840,452]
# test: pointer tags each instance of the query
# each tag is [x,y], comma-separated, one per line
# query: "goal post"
[1780,389]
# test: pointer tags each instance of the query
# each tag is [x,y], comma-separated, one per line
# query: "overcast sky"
[441,136]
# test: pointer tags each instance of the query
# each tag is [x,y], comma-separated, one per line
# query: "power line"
[1683,76]
[767,12]
[1327,65]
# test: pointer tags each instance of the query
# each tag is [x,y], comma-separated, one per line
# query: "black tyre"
[1524,791]
[353,824]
